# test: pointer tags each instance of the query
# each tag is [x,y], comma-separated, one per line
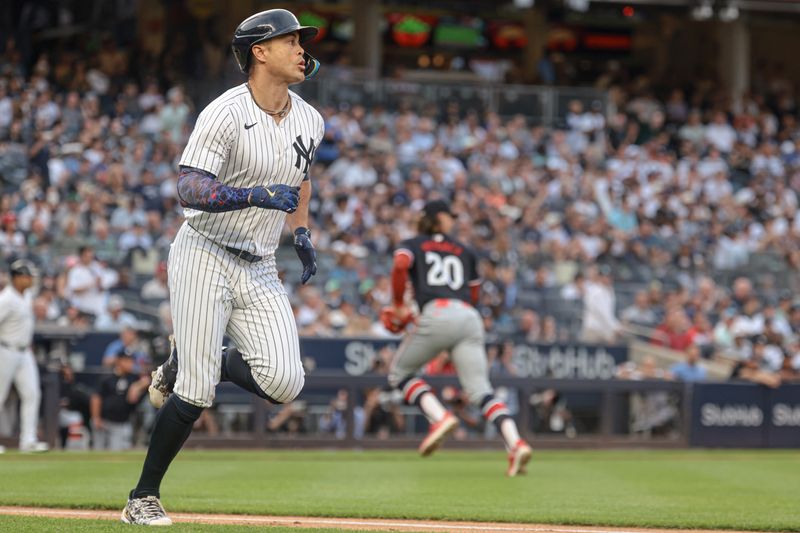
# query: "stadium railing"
[547,106]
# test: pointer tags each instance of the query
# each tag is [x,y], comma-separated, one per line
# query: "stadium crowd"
[675,217]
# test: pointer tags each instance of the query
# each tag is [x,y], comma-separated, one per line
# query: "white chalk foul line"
[373,523]
[410,525]
[309,521]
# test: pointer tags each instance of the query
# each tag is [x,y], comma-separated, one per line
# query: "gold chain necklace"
[282,113]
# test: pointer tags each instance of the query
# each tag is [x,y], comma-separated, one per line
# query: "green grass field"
[756,490]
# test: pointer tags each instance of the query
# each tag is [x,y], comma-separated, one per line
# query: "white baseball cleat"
[34,447]
[518,457]
[146,511]
[437,433]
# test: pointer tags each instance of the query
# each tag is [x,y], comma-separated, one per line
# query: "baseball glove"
[394,322]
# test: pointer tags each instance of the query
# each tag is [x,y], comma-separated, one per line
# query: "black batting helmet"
[266,25]
[22,267]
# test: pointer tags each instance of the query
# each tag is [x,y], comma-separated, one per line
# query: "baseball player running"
[446,284]
[17,364]
[245,167]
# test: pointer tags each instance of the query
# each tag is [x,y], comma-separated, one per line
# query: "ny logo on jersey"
[306,154]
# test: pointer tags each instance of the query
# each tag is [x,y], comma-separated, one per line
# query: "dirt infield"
[371,524]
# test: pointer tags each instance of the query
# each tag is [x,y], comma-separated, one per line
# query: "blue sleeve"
[113,348]
[198,189]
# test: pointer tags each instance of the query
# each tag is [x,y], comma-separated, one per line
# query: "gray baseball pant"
[446,324]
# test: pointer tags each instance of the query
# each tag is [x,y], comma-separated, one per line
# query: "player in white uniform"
[244,168]
[17,364]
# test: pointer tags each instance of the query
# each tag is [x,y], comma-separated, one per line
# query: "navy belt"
[244,255]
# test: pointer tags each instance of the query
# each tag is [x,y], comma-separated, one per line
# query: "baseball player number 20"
[447,270]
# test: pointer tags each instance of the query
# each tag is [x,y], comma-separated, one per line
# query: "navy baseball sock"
[497,412]
[172,427]
[236,370]
[416,391]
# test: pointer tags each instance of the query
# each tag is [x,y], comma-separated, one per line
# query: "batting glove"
[306,253]
[279,196]
[396,319]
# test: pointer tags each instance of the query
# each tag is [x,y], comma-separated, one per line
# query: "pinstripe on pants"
[213,293]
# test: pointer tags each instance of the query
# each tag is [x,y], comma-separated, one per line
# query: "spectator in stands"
[382,416]
[550,332]
[702,332]
[600,325]
[706,296]
[720,134]
[105,245]
[691,369]
[88,283]
[335,419]
[501,360]
[115,318]
[128,344]
[12,241]
[671,200]
[749,322]
[174,115]
[790,368]
[157,288]
[38,210]
[551,414]
[76,320]
[135,237]
[779,321]
[773,350]
[114,403]
[794,319]
[640,312]
[675,332]
[756,368]
[575,289]
[529,327]
[742,291]
[290,418]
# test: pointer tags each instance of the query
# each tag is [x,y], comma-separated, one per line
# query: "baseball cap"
[434,207]
[22,267]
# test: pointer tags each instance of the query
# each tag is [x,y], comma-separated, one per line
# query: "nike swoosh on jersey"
[248,126]
[271,194]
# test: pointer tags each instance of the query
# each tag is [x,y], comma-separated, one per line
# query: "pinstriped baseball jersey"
[213,293]
[243,147]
